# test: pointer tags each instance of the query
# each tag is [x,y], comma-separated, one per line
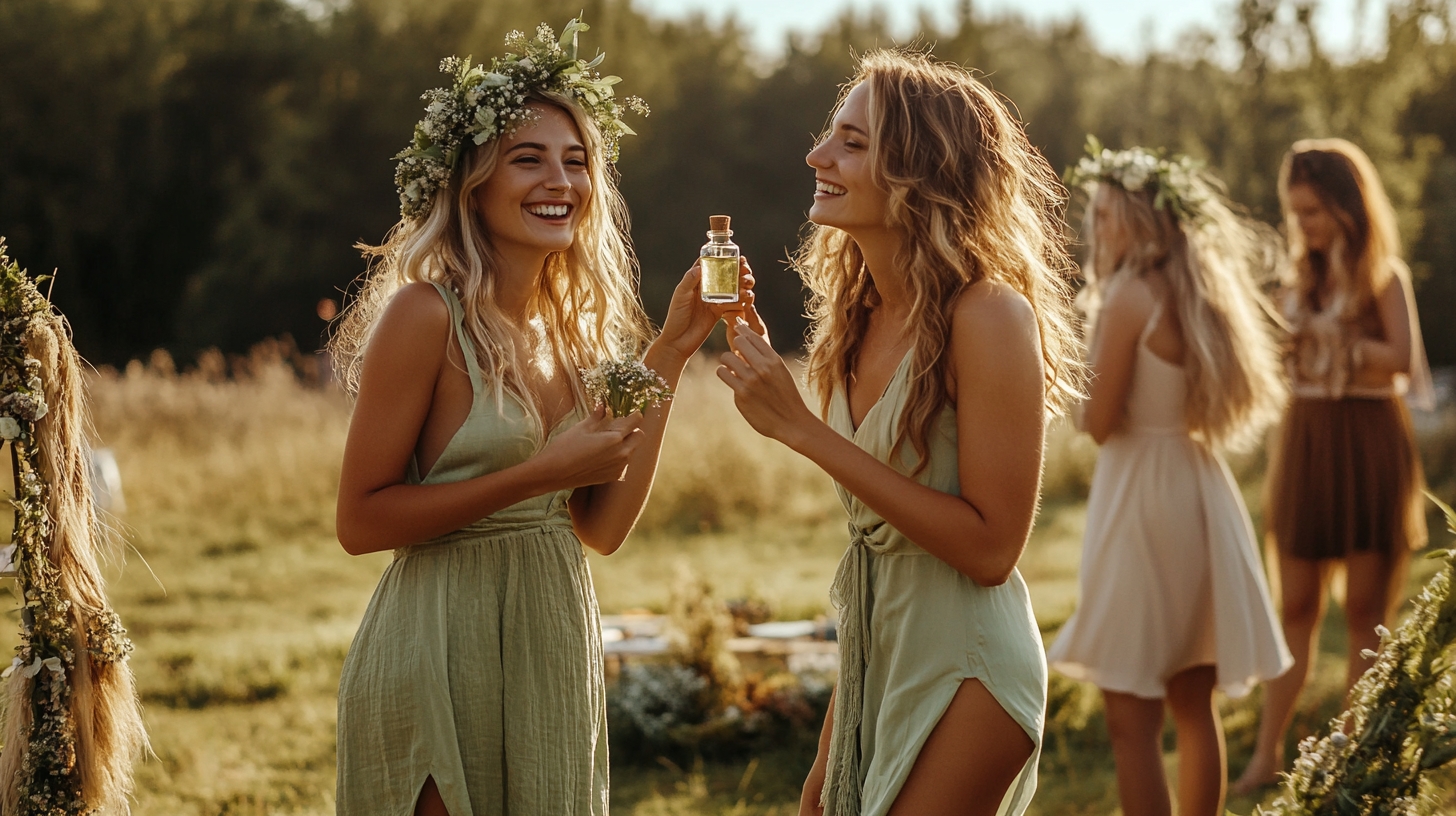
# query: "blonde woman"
[1344,484]
[474,684]
[1173,603]
[941,341]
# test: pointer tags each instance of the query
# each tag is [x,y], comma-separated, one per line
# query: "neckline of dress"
[849,414]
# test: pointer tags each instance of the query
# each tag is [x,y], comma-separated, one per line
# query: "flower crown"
[1178,182]
[482,103]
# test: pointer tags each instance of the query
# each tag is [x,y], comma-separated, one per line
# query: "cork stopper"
[718,223]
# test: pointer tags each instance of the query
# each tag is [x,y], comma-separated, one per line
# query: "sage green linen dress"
[479,660]
[912,629]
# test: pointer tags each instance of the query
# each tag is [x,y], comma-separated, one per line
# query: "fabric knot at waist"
[850,594]
[489,528]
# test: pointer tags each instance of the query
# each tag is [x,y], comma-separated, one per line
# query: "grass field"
[242,604]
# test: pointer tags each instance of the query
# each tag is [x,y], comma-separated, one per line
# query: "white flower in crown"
[1177,183]
[9,428]
[482,103]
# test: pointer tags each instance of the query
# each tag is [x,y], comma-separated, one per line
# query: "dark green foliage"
[198,170]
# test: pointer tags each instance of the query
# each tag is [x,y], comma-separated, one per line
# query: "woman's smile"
[827,190]
[554,212]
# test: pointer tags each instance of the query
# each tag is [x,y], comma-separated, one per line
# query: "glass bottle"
[720,263]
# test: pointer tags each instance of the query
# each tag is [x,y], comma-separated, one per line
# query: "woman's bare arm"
[1382,359]
[603,515]
[376,509]
[1125,312]
[1000,423]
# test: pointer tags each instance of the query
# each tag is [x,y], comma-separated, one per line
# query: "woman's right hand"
[813,789]
[593,451]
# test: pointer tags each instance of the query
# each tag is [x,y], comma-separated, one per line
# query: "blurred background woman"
[1344,483]
[1173,601]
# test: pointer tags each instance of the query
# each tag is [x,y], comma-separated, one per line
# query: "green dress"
[912,629]
[479,660]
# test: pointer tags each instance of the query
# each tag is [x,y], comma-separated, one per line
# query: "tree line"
[198,171]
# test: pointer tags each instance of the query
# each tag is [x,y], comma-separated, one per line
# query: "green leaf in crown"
[484,103]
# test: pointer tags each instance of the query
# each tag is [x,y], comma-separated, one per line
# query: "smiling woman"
[941,341]
[475,683]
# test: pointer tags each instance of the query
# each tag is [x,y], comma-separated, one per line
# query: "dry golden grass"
[242,604]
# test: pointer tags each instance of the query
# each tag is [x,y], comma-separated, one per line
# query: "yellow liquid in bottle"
[720,280]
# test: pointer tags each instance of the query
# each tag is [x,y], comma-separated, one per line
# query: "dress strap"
[457,325]
[1151,324]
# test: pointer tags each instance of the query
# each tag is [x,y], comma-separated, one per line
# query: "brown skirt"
[1345,478]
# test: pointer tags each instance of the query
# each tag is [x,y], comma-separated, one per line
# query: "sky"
[1120,26]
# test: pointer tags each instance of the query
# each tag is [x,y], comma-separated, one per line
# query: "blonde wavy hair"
[585,298]
[1215,266]
[974,201]
[1366,254]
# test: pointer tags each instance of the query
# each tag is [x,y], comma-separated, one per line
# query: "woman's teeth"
[549,210]
[831,189]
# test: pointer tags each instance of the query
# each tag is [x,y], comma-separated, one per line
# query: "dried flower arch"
[72,726]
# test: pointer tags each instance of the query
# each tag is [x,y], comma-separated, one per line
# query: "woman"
[1173,598]
[474,684]
[941,341]
[1344,484]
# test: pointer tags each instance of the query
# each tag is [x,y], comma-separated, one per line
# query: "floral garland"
[482,103]
[50,784]
[1177,183]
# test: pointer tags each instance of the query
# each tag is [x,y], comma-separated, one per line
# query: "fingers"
[691,280]
[627,424]
[735,366]
[753,348]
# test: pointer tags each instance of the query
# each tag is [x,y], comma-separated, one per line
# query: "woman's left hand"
[690,319]
[763,388]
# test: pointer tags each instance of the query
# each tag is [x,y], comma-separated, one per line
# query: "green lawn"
[242,604]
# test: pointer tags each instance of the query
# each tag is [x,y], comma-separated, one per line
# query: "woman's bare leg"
[1202,760]
[430,803]
[1373,588]
[1135,725]
[1302,605]
[969,762]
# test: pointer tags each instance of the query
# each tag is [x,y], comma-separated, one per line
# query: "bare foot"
[1261,772]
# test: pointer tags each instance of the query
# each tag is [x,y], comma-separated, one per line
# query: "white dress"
[1171,576]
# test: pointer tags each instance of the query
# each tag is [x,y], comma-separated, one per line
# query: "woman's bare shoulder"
[1129,296]
[993,329]
[414,325]
[992,307]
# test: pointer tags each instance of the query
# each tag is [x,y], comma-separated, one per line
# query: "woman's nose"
[816,157]
[557,179]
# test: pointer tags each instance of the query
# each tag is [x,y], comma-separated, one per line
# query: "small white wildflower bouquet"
[625,387]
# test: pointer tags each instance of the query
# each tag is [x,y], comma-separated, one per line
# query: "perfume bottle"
[720,263]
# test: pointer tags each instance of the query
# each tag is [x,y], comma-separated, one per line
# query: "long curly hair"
[974,201]
[1215,266]
[585,298]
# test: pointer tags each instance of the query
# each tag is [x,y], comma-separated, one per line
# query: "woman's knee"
[1301,608]
[1132,721]
[1190,692]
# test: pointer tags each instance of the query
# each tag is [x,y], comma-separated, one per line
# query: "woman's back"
[1159,392]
